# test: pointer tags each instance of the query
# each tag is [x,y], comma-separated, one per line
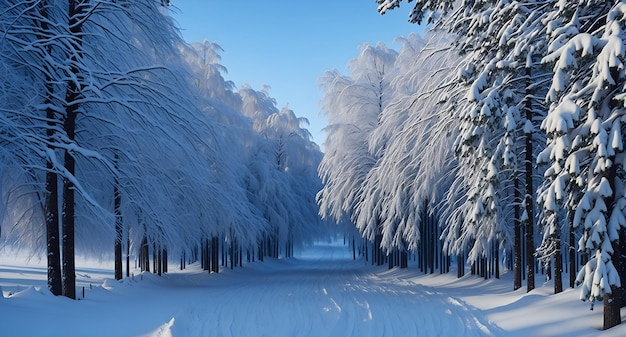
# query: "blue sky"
[288,45]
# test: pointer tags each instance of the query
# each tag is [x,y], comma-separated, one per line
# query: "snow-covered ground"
[322,292]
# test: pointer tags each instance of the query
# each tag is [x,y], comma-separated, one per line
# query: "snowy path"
[325,294]
[322,293]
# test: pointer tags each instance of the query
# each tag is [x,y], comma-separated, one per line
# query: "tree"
[398,189]
[155,119]
[353,105]
[499,55]
[275,159]
[585,144]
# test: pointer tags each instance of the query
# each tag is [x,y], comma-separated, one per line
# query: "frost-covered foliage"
[585,125]
[135,119]
[498,121]
[156,120]
[270,150]
[413,134]
[550,66]
[385,150]
[496,107]
[353,105]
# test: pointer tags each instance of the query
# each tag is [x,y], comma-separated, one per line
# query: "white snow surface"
[321,292]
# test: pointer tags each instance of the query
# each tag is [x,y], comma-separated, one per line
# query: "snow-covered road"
[322,292]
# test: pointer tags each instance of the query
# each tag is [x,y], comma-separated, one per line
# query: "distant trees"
[380,127]
[354,105]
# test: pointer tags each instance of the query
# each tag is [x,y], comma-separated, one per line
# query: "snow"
[321,292]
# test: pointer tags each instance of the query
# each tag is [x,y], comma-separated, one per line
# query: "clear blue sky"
[288,45]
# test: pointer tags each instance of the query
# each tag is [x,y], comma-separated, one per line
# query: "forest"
[496,138]
[493,141]
[120,139]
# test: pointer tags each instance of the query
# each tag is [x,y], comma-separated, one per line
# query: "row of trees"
[116,134]
[505,124]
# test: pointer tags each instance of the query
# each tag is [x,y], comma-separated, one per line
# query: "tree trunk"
[164,260]
[620,264]
[215,254]
[558,264]
[51,206]
[73,95]
[517,239]
[144,255]
[128,252]
[119,234]
[205,261]
[612,301]
[365,249]
[52,233]
[231,252]
[529,202]
[612,305]
[497,260]
[573,268]
[69,268]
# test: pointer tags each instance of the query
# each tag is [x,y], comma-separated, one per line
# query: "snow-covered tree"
[94,117]
[501,49]
[353,105]
[585,147]
[395,188]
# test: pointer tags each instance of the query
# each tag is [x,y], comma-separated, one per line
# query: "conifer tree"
[586,148]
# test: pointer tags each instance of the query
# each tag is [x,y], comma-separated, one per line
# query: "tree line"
[503,124]
[120,139]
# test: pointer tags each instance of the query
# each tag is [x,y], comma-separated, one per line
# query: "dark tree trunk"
[69,268]
[529,202]
[380,257]
[215,254]
[164,260]
[144,255]
[155,259]
[204,255]
[404,259]
[240,256]
[620,264]
[612,305]
[51,207]
[119,234]
[432,243]
[612,301]
[127,252]
[231,252]
[223,253]
[517,238]
[52,233]
[558,265]
[365,249]
[72,97]
[497,260]
[573,268]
